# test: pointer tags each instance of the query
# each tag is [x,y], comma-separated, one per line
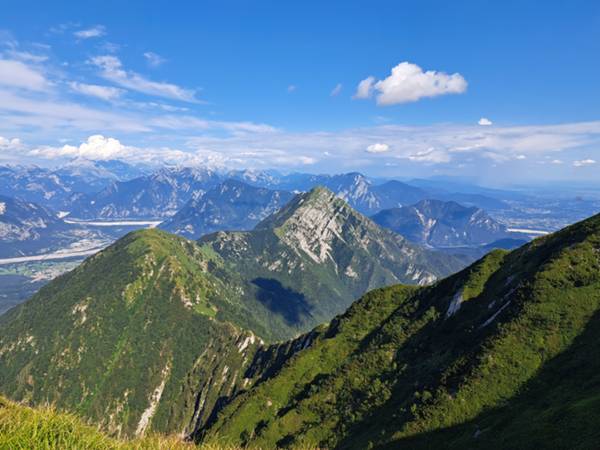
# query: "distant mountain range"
[27,228]
[155,331]
[153,196]
[232,205]
[113,190]
[54,187]
[443,224]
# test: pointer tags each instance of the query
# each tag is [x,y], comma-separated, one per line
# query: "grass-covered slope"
[501,355]
[24,428]
[116,339]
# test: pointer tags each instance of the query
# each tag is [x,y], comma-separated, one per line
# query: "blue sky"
[276,84]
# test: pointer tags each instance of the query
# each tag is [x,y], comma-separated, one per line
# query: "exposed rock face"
[316,248]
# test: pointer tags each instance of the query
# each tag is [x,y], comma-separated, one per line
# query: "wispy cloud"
[409,83]
[153,59]
[88,33]
[336,90]
[95,90]
[20,75]
[111,69]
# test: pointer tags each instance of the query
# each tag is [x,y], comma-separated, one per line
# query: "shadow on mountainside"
[286,302]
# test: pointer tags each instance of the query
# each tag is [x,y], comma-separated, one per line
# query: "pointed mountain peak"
[308,209]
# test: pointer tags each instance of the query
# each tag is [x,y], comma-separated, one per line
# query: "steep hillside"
[117,338]
[311,259]
[501,355]
[442,224]
[232,205]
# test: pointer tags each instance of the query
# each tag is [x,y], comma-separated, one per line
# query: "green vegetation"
[45,428]
[156,332]
[501,355]
[116,339]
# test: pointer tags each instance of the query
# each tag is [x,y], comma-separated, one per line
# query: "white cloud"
[97,31]
[101,148]
[17,74]
[153,59]
[485,122]
[584,162]
[556,161]
[112,69]
[336,90]
[365,88]
[521,157]
[26,56]
[378,148]
[95,90]
[291,88]
[409,83]
[9,144]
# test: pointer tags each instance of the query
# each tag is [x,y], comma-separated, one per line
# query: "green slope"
[122,332]
[500,355]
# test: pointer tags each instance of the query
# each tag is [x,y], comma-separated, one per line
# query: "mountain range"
[158,195]
[232,205]
[442,224]
[154,331]
[27,228]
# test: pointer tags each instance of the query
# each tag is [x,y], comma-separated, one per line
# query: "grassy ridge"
[465,363]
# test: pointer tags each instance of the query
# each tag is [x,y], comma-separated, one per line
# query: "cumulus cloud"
[97,31]
[584,162]
[20,75]
[409,83]
[336,90]
[556,161]
[378,148]
[112,70]
[153,59]
[484,122]
[95,90]
[101,148]
[97,147]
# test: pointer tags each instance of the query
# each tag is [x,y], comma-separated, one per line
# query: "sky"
[506,92]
